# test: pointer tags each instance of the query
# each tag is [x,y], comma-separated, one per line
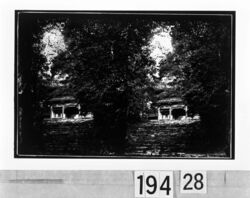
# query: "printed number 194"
[154,184]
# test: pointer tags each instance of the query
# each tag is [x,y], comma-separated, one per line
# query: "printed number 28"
[193,182]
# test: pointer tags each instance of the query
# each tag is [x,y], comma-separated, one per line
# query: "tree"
[202,64]
[31,88]
[107,65]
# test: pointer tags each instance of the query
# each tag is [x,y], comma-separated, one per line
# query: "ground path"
[168,139]
[148,139]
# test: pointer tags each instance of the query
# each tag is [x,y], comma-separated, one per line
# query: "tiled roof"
[62,99]
[169,101]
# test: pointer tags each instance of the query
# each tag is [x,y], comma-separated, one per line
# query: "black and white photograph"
[124,84]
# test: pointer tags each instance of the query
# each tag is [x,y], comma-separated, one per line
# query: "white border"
[242,130]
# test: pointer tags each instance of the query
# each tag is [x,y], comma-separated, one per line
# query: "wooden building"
[171,109]
[64,107]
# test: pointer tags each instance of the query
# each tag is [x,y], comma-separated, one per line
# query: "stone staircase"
[156,139]
[148,139]
[67,137]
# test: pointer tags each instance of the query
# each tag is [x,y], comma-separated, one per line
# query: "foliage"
[202,64]
[31,86]
[107,65]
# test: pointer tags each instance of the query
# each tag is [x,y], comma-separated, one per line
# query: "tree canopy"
[201,63]
[107,64]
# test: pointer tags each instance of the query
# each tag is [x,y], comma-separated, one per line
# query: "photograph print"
[109,84]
